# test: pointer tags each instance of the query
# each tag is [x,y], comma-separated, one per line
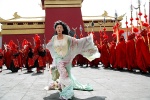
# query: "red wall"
[20,37]
[71,16]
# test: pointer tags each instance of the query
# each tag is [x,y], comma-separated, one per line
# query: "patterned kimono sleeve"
[49,46]
[86,47]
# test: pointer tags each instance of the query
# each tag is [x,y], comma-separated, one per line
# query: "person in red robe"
[113,50]
[100,45]
[131,52]
[14,65]
[29,57]
[7,56]
[24,52]
[105,53]
[121,62]
[39,55]
[142,51]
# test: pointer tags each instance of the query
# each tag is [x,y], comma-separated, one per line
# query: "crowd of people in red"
[29,56]
[131,53]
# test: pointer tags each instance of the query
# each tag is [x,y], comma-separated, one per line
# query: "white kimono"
[63,52]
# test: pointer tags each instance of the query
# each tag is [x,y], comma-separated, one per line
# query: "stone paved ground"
[108,85]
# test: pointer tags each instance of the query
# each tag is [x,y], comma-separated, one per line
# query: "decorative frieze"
[22,31]
[62,3]
[34,26]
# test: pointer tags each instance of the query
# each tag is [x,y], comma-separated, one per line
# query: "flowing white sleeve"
[86,47]
[49,46]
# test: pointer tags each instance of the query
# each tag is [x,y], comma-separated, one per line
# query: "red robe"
[82,60]
[20,58]
[143,55]
[74,61]
[7,57]
[39,58]
[30,59]
[112,53]
[24,56]
[121,55]
[131,54]
[105,55]
[15,58]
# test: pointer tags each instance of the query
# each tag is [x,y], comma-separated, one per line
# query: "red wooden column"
[68,11]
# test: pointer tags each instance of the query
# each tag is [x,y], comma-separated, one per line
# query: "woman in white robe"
[63,49]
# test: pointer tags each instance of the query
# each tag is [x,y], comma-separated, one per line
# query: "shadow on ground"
[35,74]
[135,71]
[55,96]
[11,73]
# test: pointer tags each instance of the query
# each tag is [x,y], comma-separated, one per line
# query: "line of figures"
[132,53]
[28,57]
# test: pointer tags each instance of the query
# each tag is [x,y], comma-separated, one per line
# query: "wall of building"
[71,16]
[20,38]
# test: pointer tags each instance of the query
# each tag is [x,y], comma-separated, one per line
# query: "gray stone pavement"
[108,85]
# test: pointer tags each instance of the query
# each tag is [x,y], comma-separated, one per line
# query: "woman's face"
[59,29]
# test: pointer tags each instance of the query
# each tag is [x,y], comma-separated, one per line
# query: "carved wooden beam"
[62,3]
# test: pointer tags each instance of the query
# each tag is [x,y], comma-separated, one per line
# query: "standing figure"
[7,55]
[63,49]
[113,50]
[39,55]
[142,52]
[29,59]
[105,58]
[14,64]
[121,61]
[131,52]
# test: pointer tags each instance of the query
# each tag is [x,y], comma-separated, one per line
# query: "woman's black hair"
[64,25]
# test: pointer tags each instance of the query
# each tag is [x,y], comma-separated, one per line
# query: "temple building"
[19,28]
